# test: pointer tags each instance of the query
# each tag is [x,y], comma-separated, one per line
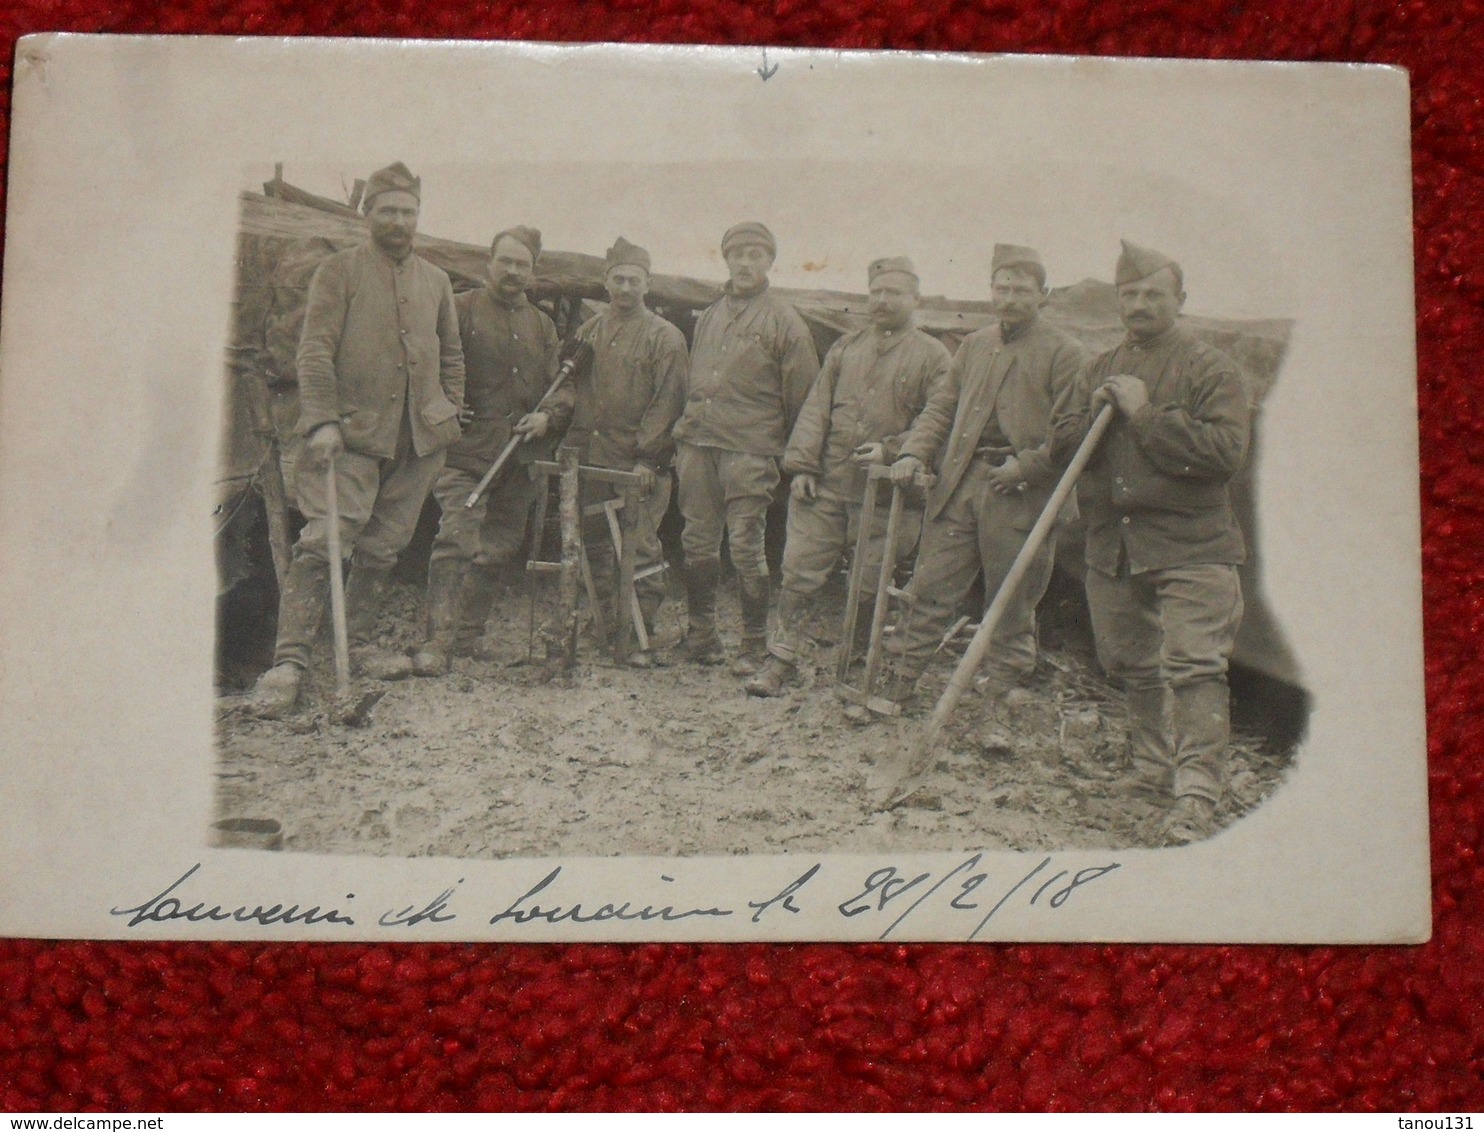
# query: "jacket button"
[1125,519]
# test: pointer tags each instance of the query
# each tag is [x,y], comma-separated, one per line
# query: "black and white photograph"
[700,480]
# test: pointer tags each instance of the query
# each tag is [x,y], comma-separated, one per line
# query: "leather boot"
[1202,727]
[301,610]
[701,644]
[771,679]
[1150,757]
[481,582]
[364,592]
[435,656]
[754,648]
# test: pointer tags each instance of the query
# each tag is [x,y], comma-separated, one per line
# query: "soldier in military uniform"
[1163,544]
[752,364]
[381,376]
[511,353]
[627,406]
[874,383]
[989,433]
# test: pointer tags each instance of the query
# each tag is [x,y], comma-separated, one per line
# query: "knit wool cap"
[625,254]
[891,265]
[1137,263]
[749,232]
[530,237]
[1013,255]
[396,177]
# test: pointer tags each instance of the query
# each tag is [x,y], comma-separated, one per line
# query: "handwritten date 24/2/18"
[965,890]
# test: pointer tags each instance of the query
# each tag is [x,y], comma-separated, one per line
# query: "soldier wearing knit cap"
[381,376]
[874,383]
[627,406]
[752,364]
[989,436]
[1163,543]
[511,350]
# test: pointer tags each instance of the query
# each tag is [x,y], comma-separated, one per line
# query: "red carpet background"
[219,1026]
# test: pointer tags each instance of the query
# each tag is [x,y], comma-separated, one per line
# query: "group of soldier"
[407,390]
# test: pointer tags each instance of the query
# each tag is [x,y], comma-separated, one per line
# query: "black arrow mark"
[766,71]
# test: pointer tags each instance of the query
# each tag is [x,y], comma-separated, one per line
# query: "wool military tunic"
[628,403]
[1155,494]
[511,354]
[380,341]
[871,388]
[752,365]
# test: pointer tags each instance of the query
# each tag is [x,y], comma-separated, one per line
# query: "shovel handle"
[337,585]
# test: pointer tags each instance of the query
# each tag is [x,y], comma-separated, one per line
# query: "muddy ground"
[490,761]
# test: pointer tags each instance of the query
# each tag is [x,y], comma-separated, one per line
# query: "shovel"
[347,707]
[894,780]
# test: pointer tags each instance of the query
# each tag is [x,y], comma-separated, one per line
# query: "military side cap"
[1013,255]
[891,265]
[1136,263]
[530,237]
[625,254]
[396,177]
[749,232]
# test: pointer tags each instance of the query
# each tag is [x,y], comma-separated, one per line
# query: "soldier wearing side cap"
[989,433]
[511,350]
[872,386]
[1163,544]
[381,376]
[627,406]
[752,364]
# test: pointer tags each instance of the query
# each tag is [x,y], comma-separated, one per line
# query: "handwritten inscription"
[971,893]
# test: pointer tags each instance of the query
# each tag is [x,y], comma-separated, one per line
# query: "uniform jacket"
[1155,494]
[871,388]
[751,366]
[1018,380]
[630,399]
[511,353]
[377,332]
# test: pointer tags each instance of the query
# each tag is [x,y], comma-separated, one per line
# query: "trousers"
[726,492]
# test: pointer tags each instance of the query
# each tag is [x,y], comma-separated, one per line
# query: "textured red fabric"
[227,1026]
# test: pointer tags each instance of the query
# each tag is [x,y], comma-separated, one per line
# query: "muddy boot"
[1201,716]
[1151,762]
[773,677]
[1192,818]
[301,609]
[435,656]
[754,647]
[364,592]
[476,598]
[701,644]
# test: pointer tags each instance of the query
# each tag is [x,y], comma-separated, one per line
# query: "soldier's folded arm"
[1209,439]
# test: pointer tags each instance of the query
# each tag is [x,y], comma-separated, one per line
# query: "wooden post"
[624,599]
[356,192]
[570,510]
[857,580]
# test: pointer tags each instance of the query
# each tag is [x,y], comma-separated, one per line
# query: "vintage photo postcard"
[530,492]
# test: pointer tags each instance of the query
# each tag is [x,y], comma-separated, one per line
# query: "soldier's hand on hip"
[868,454]
[648,477]
[1124,390]
[804,487]
[1008,478]
[324,444]
[905,470]
[533,426]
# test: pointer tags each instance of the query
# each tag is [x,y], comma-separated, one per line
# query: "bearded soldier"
[381,376]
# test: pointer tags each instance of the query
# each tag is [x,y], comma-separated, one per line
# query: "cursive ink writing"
[431,912]
[521,912]
[163,907]
[784,898]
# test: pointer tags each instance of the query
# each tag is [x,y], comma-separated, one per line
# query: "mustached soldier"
[1163,543]
[381,376]
[874,383]
[511,350]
